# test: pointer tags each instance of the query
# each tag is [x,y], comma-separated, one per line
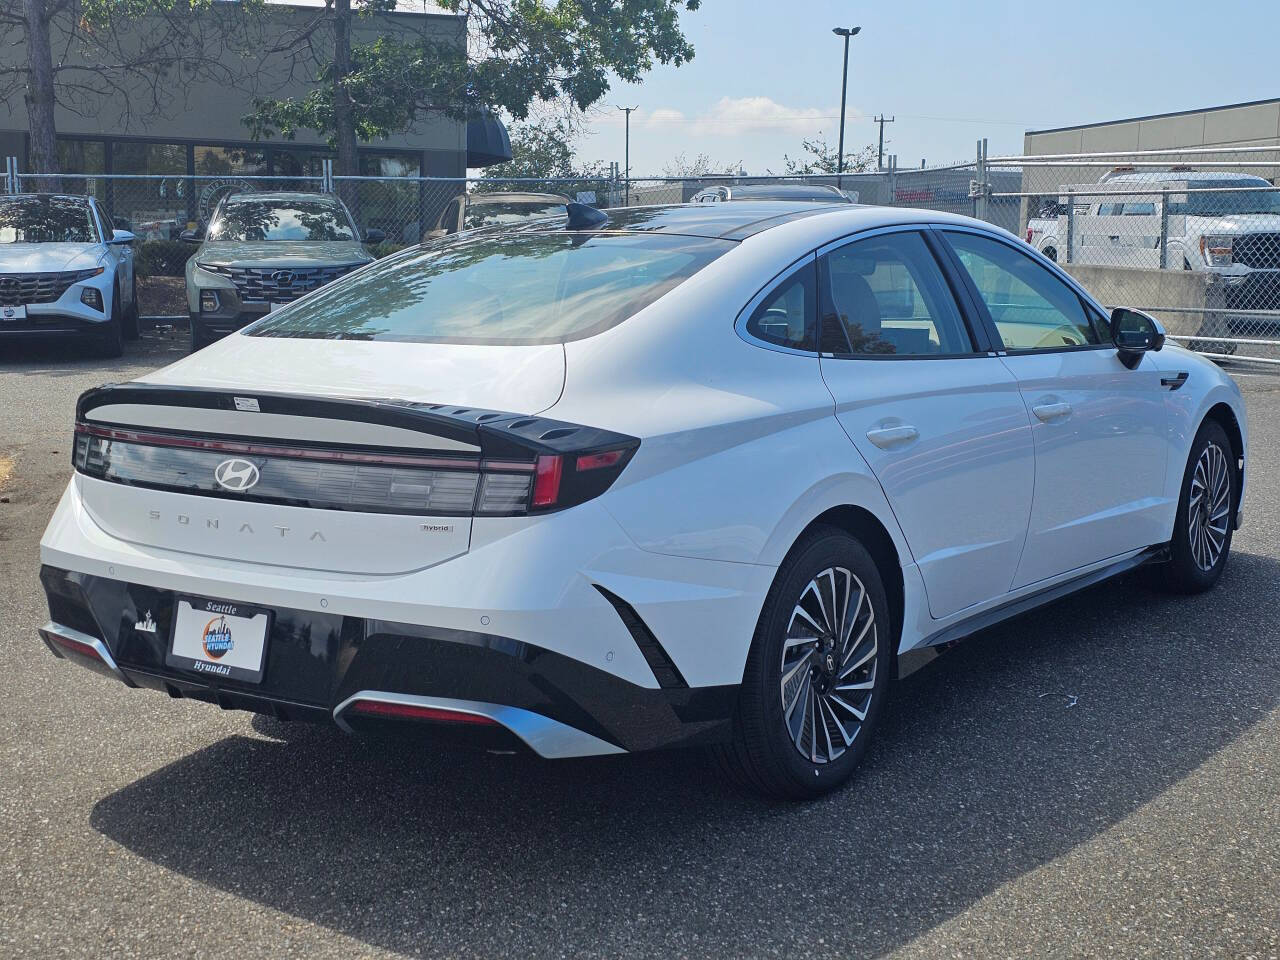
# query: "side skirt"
[947,637]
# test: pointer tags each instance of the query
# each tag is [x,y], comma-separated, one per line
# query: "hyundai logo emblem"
[282,278]
[236,474]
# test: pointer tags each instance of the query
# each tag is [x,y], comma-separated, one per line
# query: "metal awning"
[487,142]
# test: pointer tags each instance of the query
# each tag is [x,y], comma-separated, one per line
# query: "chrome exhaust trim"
[88,650]
[548,738]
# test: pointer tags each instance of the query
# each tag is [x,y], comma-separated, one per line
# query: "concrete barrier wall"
[1177,297]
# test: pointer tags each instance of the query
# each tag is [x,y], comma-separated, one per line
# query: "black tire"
[108,340]
[763,753]
[1186,571]
[1051,253]
[199,339]
[130,316]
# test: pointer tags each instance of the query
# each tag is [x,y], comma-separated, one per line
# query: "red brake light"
[1028,234]
[546,481]
[597,461]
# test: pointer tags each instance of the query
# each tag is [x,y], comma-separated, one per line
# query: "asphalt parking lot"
[1099,778]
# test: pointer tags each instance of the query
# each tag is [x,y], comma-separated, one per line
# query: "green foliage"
[822,157]
[163,258]
[384,249]
[522,52]
[544,150]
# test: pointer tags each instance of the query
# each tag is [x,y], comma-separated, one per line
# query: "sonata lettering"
[213,523]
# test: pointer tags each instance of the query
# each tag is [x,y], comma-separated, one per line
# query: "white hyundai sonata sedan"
[683,475]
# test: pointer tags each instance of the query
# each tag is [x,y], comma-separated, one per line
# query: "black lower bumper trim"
[315,661]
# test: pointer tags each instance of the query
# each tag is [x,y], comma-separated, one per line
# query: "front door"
[1100,428]
[940,422]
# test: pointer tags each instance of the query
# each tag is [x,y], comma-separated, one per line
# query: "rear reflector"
[598,461]
[410,711]
[74,646]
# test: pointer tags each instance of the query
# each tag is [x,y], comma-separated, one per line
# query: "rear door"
[938,418]
[1100,428]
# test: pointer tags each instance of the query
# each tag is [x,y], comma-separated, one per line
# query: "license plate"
[220,640]
[13,313]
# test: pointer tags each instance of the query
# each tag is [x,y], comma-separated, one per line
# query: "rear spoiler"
[500,435]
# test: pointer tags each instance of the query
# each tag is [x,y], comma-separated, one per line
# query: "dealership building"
[199,135]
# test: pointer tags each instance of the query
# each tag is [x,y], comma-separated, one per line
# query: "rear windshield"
[507,289]
[490,214]
[277,220]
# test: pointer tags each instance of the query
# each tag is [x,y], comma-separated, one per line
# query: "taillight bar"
[365,480]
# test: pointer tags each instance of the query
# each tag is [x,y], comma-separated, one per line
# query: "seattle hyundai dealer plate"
[219,639]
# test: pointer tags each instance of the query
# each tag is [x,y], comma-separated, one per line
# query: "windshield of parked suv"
[263,219]
[46,220]
[1217,202]
[512,289]
[490,214]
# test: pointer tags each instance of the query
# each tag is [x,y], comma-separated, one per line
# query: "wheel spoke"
[823,709]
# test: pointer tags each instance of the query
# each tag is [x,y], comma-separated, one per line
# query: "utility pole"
[845,32]
[880,153]
[627,154]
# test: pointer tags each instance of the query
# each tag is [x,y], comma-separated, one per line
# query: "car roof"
[281,196]
[787,191]
[46,196]
[475,199]
[1177,176]
[729,221]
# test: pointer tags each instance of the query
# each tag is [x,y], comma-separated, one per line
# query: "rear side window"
[524,288]
[786,317]
[886,295]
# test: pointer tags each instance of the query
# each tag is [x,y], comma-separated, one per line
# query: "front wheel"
[817,674]
[130,316]
[1206,513]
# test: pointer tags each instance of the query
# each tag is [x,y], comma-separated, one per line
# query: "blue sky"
[767,74]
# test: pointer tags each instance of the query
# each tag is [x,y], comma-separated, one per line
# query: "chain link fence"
[1192,236]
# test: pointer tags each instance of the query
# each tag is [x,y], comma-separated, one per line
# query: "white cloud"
[737,116]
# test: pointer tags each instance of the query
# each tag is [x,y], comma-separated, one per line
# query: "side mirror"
[124,224]
[190,236]
[1135,333]
[121,237]
[374,235]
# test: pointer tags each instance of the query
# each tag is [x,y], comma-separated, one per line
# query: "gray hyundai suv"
[263,250]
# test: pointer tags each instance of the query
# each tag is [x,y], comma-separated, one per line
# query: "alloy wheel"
[829,665]
[1209,507]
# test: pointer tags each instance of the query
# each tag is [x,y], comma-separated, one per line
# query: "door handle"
[886,438]
[1052,411]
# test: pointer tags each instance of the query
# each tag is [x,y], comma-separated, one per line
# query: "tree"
[700,166]
[132,56]
[504,55]
[544,150]
[824,158]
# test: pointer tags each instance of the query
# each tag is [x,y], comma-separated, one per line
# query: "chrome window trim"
[809,259]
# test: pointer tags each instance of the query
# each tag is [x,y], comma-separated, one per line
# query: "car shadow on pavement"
[995,759]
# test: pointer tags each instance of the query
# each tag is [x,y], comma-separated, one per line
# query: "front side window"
[46,220]
[265,219]
[1031,308]
[516,289]
[886,295]
[786,316]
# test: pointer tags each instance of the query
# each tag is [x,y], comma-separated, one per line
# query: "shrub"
[163,258]
[385,249]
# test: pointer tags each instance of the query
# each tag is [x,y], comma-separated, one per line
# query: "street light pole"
[627,155]
[847,33]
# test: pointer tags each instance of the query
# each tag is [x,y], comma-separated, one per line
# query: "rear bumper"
[319,663]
